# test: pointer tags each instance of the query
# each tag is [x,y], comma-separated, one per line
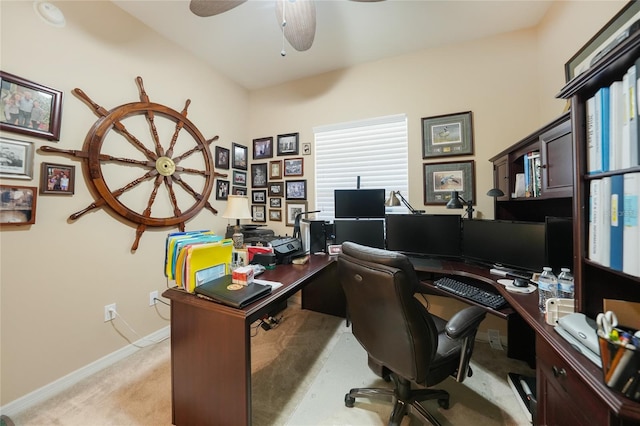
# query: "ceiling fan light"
[206,8]
[300,18]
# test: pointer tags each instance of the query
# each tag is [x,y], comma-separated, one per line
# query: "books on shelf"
[616,128]
[631,232]
[617,209]
[532,176]
[593,253]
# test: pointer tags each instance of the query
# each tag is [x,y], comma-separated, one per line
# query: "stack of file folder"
[194,257]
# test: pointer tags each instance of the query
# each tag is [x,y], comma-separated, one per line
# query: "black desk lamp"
[393,200]
[495,192]
[456,202]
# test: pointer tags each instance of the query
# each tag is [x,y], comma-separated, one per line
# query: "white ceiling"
[245,43]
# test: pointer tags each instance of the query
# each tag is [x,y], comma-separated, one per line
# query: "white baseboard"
[40,395]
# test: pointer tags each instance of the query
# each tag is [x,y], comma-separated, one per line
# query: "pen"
[604,352]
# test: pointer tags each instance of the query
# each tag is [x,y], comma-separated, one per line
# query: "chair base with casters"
[405,400]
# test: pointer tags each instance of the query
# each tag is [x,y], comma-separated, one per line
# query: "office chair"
[404,342]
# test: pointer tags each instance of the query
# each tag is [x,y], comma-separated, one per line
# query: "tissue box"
[242,275]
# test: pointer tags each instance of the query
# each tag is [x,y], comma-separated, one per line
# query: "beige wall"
[56,276]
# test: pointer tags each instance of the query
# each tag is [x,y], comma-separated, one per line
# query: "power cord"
[151,341]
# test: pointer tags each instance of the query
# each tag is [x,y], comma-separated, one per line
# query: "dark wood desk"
[570,388]
[211,348]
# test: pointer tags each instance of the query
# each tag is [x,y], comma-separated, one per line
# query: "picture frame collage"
[269,181]
[33,110]
[448,135]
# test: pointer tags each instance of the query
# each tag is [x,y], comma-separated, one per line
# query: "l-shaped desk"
[211,348]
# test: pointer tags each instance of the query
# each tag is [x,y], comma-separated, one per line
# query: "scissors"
[606,323]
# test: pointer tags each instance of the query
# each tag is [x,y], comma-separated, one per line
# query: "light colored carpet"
[300,373]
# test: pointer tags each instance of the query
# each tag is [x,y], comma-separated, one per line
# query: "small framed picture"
[275,202]
[259,196]
[447,135]
[288,144]
[18,205]
[262,148]
[222,158]
[276,189]
[222,189]
[306,148]
[259,213]
[30,108]
[239,159]
[16,159]
[239,190]
[259,175]
[296,189]
[440,179]
[275,215]
[275,169]
[293,209]
[239,178]
[294,166]
[57,179]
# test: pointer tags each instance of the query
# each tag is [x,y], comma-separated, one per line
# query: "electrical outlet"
[152,298]
[108,314]
[494,339]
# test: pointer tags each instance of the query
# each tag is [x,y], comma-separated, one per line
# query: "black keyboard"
[471,292]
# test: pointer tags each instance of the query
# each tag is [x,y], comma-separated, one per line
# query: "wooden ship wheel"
[180,169]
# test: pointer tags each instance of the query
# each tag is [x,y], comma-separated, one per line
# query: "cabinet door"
[557,161]
[501,176]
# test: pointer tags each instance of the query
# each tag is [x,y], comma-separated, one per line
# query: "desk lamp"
[456,202]
[393,201]
[237,208]
[495,192]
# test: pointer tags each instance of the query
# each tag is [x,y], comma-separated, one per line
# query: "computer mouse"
[520,282]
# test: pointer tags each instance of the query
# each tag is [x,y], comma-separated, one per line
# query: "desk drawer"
[566,399]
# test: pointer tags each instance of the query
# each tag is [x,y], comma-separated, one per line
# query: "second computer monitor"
[366,232]
[428,235]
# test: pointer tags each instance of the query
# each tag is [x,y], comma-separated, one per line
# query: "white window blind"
[374,149]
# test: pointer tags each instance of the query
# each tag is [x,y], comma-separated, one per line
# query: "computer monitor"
[428,235]
[366,232]
[359,203]
[513,244]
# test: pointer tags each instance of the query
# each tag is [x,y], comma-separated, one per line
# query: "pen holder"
[621,367]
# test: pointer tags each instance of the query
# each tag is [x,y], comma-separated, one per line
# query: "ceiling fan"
[296,17]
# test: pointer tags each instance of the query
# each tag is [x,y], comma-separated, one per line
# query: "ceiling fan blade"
[206,8]
[300,17]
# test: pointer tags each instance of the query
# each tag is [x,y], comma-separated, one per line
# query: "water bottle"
[547,288]
[565,284]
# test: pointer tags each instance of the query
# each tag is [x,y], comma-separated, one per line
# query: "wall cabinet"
[550,150]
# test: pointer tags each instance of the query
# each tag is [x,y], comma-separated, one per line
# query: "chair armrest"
[465,322]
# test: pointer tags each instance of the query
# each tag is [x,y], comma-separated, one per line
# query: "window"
[375,150]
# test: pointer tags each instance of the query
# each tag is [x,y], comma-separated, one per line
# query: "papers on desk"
[274,284]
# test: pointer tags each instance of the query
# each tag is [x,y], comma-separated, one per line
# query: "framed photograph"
[296,189]
[222,158]
[276,189]
[288,144]
[239,190]
[275,169]
[259,213]
[239,178]
[259,197]
[447,135]
[294,166]
[440,179]
[306,148]
[239,158]
[275,215]
[294,209]
[29,108]
[613,32]
[259,175]
[57,179]
[18,205]
[222,189]
[275,202]
[262,148]
[16,159]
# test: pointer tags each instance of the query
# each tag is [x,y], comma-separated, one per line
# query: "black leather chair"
[404,342]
